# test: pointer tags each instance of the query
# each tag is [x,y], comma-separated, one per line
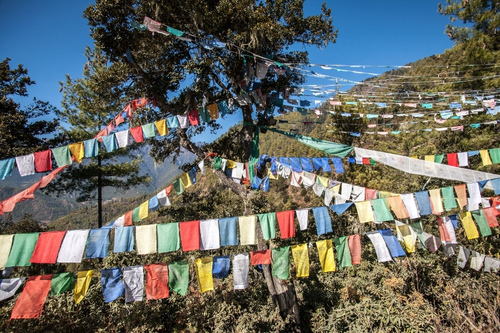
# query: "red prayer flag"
[30,302]
[366,160]
[157,281]
[43,161]
[47,247]
[286,221]
[119,119]
[194,117]
[168,189]
[354,243]
[260,257]
[491,214]
[443,231]
[190,235]
[137,134]
[128,111]
[127,220]
[452,159]
[371,194]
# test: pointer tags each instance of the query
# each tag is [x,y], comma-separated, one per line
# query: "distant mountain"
[45,208]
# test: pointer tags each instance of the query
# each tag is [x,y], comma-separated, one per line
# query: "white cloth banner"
[209,234]
[133,280]
[72,246]
[424,168]
[303,217]
[241,264]
[381,249]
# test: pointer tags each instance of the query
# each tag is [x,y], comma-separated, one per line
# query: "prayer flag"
[5,245]
[148,130]
[267,224]
[228,231]
[220,267]
[72,246]
[161,126]
[190,235]
[468,224]
[341,208]
[22,249]
[8,287]
[62,282]
[43,161]
[392,243]
[495,155]
[301,259]
[240,271]
[382,213]
[491,214]
[424,203]
[485,157]
[136,133]
[62,156]
[112,285]
[448,198]
[262,257]
[303,217]
[461,195]
[144,210]
[343,252]
[354,243]
[168,237]
[323,220]
[194,117]
[481,222]
[437,204]
[247,226]
[281,262]
[178,277]
[381,249]
[30,302]
[97,244]
[209,234]
[124,239]
[77,151]
[133,281]
[286,222]
[452,159]
[364,209]
[397,206]
[145,236]
[82,284]
[109,142]
[156,281]
[325,253]
[47,247]
[6,167]
[409,239]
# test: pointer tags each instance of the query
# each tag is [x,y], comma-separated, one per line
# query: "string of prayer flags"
[73,246]
[133,282]
[30,302]
[157,281]
[190,235]
[301,259]
[220,268]
[22,249]
[178,277]
[82,285]
[241,264]
[98,243]
[8,287]
[112,285]
[343,252]
[325,253]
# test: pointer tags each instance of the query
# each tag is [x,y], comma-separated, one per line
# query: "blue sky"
[49,37]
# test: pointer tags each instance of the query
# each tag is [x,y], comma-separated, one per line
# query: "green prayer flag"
[217,163]
[417,227]
[251,168]
[62,156]
[495,155]
[281,262]
[62,282]
[267,223]
[449,198]
[204,115]
[148,130]
[178,186]
[22,249]
[178,277]
[481,221]
[382,212]
[136,213]
[343,252]
[168,237]
[438,158]
[331,148]
[175,32]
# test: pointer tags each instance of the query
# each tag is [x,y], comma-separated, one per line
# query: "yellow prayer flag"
[469,226]
[213,111]
[429,158]
[408,239]
[230,164]
[5,245]
[336,189]
[144,210]
[485,157]
[437,203]
[82,284]
[247,225]
[77,151]
[270,174]
[301,259]
[325,252]
[324,181]
[145,238]
[204,273]
[186,180]
[161,126]
[365,212]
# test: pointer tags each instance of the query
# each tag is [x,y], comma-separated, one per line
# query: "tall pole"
[99,192]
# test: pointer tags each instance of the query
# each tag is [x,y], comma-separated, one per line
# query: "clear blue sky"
[49,37]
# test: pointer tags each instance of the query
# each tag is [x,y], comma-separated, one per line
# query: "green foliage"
[23,131]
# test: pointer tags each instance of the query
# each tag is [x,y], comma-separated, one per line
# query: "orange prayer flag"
[30,302]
